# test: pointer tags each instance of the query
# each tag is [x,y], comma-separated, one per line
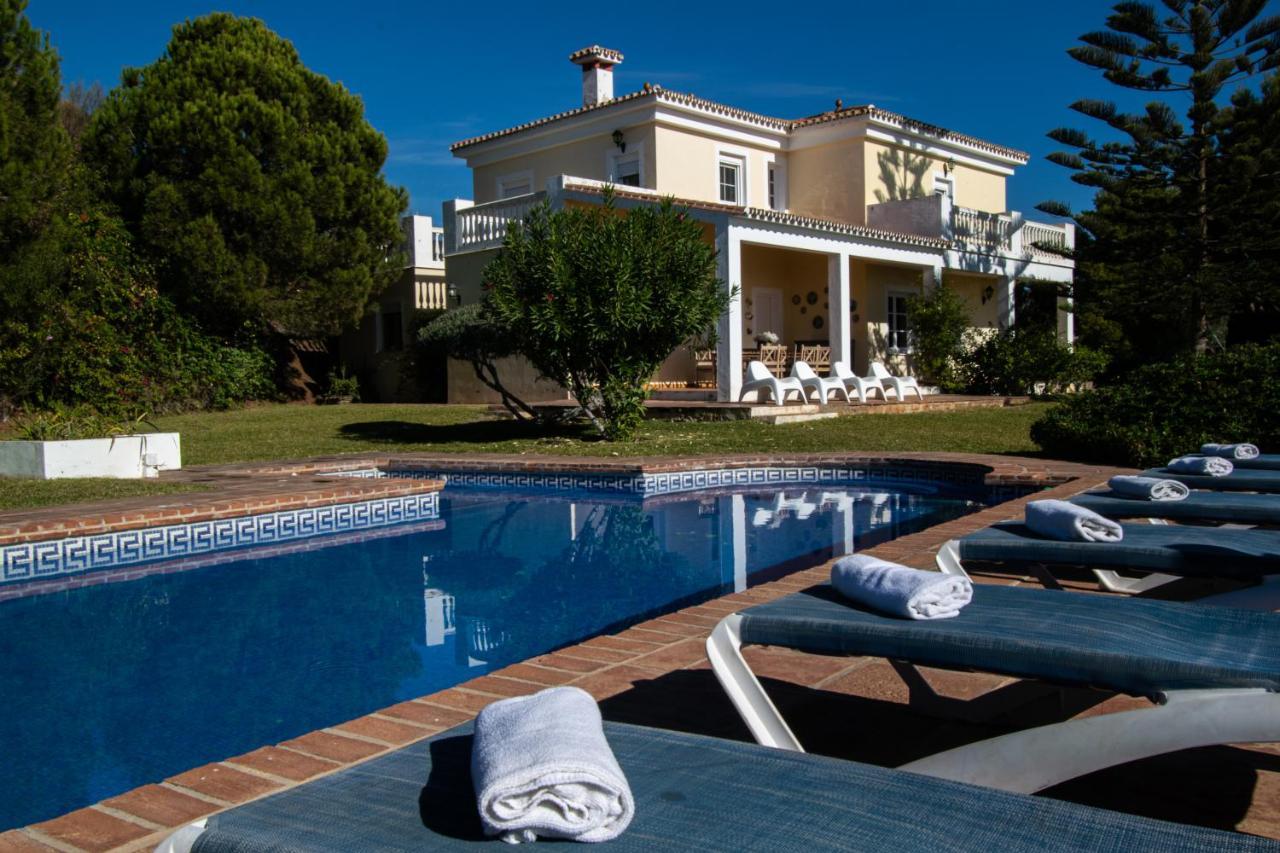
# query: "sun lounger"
[1212,670]
[823,386]
[1199,506]
[899,384]
[1167,551]
[759,379]
[1242,479]
[860,384]
[691,793]
[1265,461]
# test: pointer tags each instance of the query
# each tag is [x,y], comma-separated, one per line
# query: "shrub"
[63,423]
[938,322]
[596,299]
[1161,411]
[94,331]
[342,385]
[1027,361]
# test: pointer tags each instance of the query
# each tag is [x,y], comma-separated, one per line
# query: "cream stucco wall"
[793,274]
[585,158]
[975,188]
[984,314]
[871,285]
[687,166]
[828,181]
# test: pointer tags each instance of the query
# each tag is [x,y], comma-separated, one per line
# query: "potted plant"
[763,338]
[86,443]
[342,389]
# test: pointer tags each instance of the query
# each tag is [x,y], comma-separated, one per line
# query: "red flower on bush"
[551,297]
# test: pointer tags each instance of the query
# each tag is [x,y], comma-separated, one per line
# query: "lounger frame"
[1263,596]
[1033,759]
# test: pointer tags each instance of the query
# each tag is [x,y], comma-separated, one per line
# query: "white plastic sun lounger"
[760,380]
[861,384]
[820,385]
[898,384]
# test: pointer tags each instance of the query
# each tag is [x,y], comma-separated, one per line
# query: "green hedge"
[1164,410]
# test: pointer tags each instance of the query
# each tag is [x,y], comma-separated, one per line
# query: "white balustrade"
[485,225]
[1039,238]
[981,229]
[430,295]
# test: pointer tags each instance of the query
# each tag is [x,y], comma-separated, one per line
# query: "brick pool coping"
[606,666]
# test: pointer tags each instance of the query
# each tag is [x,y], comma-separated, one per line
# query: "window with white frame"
[899,330]
[626,170]
[730,180]
[519,183]
[773,187]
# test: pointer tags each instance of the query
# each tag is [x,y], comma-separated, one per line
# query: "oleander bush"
[597,298]
[1164,410]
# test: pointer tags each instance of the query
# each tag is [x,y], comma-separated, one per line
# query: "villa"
[826,223]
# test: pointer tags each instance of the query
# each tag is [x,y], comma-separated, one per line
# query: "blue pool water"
[110,686]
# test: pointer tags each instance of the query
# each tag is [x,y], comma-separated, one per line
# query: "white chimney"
[597,73]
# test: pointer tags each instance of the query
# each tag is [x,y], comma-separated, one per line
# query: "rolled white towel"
[1230,451]
[1069,522]
[899,590]
[1213,466]
[1149,488]
[541,766]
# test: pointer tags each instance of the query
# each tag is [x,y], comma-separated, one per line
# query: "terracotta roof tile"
[774,216]
[769,122]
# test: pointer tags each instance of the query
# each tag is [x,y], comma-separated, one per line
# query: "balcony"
[975,231]
[424,242]
[484,226]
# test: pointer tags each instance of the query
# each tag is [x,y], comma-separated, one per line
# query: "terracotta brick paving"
[655,673]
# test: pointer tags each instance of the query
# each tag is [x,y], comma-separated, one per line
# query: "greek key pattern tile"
[652,485]
[57,557]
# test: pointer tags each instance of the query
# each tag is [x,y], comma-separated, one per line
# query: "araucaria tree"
[597,298]
[1157,256]
[252,183]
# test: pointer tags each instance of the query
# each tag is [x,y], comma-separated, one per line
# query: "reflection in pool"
[114,685]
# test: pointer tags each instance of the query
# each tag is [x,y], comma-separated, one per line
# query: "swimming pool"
[129,677]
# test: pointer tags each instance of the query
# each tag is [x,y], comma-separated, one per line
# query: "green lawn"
[277,432]
[287,432]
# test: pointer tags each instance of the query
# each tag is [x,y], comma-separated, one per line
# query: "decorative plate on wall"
[811,298]
[853,305]
[817,321]
[795,300]
[803,309]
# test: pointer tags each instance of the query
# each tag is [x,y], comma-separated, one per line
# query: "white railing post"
[452,227]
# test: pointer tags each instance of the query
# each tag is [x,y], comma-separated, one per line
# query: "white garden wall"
[122,457]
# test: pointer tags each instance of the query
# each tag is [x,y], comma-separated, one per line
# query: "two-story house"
[826,223]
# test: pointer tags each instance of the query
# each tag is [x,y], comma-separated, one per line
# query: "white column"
[729,345]
[932,277]
[1007,299]
[1067,321]
[839,333]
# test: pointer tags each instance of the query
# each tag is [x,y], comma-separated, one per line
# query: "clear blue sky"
[433,73]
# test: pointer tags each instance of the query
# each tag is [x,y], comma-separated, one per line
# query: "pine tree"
[34,150]
[253,183]
[1155,217]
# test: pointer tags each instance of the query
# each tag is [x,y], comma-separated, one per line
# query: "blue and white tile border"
[673,482]
[52,558]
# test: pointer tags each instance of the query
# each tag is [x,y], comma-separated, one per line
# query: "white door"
[766,303]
